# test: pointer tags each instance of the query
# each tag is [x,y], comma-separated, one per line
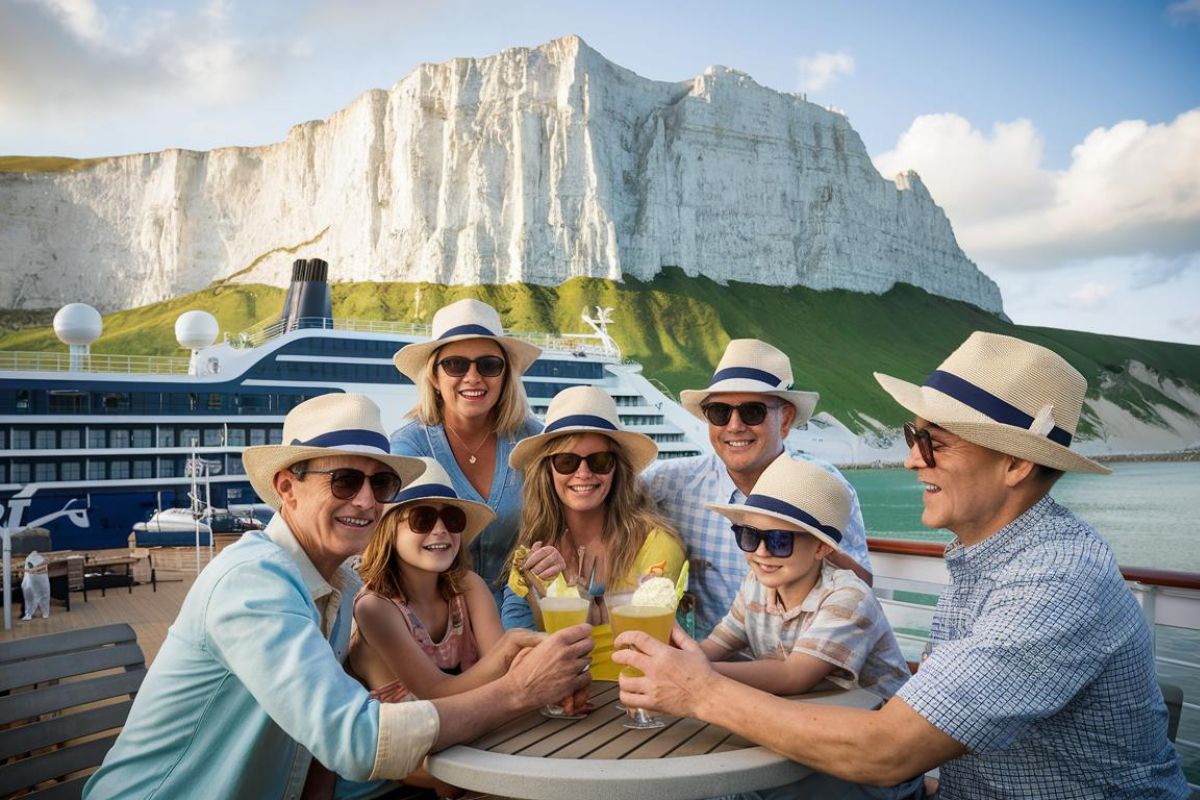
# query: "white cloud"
[819,71]
[1184,11]
[81,17]
[1091,294]
[1130,189]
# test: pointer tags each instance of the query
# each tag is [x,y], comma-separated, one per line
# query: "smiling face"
[471,396]
[793,575]
[747,450]
[583,490]
[432,552]
[966,490]
[329,529]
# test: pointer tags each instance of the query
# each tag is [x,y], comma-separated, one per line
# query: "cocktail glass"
[559,613]
[656,621]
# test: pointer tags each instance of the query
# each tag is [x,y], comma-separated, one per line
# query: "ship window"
[258,436]
[166,436]
[20,472]
[69,471]
[166,468]
[20,439]
[3,440]
[143,437]
[118,470]
[255,402]
[44,440]
[235,466]
[23,400]
[189,437]
[212,437]
[237,437]
[233,494]
[97,438]
[44,472]
[68,402]
[3,473]
[214,402]
[95,470]
[70,438]
[275,436]
[143,468]
[118,437]
[116,401]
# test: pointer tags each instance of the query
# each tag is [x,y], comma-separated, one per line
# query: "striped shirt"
[1043,667]
[840,621]
[682,486]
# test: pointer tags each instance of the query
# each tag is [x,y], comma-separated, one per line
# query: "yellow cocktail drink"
[654,620]
[563,612]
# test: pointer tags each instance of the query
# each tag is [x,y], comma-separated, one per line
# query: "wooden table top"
[537,758]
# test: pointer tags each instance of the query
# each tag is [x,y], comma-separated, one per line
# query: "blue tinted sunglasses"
[779,543]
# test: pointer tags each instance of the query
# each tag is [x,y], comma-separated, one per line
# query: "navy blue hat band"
[987,403]
[760,375]
[425,491]
[777,506]
[460,330]
[342,438]
[580,421]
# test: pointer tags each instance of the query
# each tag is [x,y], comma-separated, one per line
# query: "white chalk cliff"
[533,165]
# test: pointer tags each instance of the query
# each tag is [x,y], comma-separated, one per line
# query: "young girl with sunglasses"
[425,624]
[805,621]
[583,494]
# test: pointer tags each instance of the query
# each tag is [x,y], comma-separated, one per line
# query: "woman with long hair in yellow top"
[586,509]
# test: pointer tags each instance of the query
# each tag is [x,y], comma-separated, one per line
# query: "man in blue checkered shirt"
[749,406]
[1040,678]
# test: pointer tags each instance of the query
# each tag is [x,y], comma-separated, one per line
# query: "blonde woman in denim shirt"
[471,413]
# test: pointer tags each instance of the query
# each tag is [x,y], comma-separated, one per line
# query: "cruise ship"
[91,445]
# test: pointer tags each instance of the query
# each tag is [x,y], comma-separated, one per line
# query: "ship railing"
[909,576]
[33,361]
[582,344]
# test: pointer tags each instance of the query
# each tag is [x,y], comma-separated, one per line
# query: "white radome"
[196,329]
[77,324]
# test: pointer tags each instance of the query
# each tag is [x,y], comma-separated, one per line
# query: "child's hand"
[514,641]
[545,563]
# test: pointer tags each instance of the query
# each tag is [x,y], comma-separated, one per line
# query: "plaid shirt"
[840,621]
[1043,666]
[682,486]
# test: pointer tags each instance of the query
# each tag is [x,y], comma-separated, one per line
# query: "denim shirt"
[490,549]
[249,686]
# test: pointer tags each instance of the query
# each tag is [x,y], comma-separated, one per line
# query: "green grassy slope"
[45,163]
[677,327]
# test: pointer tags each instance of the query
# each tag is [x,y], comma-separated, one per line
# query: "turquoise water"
[1148,512]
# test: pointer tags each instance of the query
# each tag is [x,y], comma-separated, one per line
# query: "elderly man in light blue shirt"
[248,696]
[750,407]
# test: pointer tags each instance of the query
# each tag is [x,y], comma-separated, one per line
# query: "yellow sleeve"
[658,547]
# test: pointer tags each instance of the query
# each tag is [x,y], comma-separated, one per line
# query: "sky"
[1062,139]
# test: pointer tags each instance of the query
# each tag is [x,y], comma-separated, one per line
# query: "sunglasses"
[345,484]
[422,519]
[922,439]
[749,413]
[457,366]
[779,543]
[600,463]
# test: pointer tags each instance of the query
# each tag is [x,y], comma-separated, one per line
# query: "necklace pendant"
[471,460]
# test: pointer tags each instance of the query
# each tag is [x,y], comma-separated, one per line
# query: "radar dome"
[77,324]
[196,329]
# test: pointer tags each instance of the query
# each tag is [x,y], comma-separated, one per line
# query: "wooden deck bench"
[63,700]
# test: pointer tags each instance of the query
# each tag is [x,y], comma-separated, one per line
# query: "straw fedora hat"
[1004,394]
[465,319]
[329,425]
[434,485]
[798,492]
[750,365]
[586,409]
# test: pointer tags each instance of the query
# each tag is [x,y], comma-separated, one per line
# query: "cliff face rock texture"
[533,165]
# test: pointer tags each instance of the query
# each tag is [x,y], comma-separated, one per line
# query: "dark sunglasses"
[421,519]
[750,413]
[600,463]
[923,440]
[779,543]
[457,366]
[347,483]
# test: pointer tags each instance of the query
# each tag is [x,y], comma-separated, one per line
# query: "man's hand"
[675,680]
[545,563]
[555,668]
[514,641]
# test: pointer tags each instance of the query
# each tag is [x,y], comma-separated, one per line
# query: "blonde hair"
[508,415]
[630,514]
[380,565]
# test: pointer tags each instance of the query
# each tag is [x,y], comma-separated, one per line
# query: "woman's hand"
[545,562]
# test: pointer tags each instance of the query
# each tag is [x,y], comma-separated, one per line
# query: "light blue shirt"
[490,549]
[681,487]
[1043,666]
[249,686]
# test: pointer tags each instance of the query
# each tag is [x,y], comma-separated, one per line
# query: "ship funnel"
[308,297]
